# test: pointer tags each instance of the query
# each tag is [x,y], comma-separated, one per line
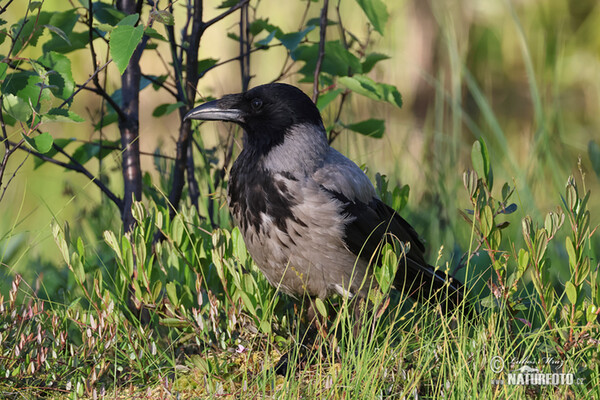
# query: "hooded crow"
[310,217]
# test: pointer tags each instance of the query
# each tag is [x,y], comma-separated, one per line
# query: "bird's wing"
[370,222]
[369,219]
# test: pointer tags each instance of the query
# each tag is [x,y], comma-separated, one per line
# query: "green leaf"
[377,91]
[172,294]
[371,59]
[173,322]
[316,21]
[62,143]
[153,33]
[337,60]
[594,153]
[523,260]
[400,197]
[571,252]
[228,3]
[61,115]
[481,161]
[62,79]
[59,32]
[259,25]
[293,39]
[376,12]
[591,313]
[267,40]
[59,238]
[34,5]
[324,100]
[177,229]
[41,143]
[99,149]
[541,243]
[77,268]
[123,42]
[487,220]
[3,68]
[166,109]
[16,107]
[129,20]
[104,27]
[108,119]
[63,39]
[248,303]
[205,64]
[371,127]
[321,307]
[239,247]
[163,16]
[571,292]
[265,326]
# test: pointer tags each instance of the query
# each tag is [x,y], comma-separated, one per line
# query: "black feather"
[374,223]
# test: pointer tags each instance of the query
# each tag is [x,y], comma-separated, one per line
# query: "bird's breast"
[293,230]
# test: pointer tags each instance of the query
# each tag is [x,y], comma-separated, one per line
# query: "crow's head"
[267,113]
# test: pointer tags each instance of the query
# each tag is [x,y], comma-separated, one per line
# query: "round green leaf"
[41,143]
[123,41]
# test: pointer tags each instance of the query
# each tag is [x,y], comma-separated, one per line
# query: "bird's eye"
[256,103]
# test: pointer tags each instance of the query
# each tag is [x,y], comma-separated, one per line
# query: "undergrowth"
[191,316]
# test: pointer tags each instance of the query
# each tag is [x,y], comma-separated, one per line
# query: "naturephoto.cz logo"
[525,372]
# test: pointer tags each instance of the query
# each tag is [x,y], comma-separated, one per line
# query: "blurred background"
[524,75]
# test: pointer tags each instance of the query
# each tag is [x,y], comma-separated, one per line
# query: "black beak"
[216,110]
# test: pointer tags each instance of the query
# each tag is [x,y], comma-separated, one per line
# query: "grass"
[192,317]
[197,320]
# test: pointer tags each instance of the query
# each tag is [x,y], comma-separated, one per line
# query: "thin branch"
[244,48]
[5,7]
[83,86]
[13,176]
[8,150]
[225,14]
[193,189]
[322,32]
[238,57]
[73,166]
[15,37]
[104,146]
[161,84]
[335,133]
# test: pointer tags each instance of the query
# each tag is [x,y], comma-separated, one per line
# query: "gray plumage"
[309,216]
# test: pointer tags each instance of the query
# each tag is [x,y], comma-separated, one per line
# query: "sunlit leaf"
[571,292]
[376,12]
[371,59]
[371,127]
[123,41]
[367,87]
[16,107]
[41,143]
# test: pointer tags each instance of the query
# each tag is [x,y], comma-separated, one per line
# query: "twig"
[322,32]
[12,177]
[161,84]
[225,14]
[84,85]
[5,7]
[334,133]
[7,152]
[238,57]
[193,189]
[73,166]
[244,48]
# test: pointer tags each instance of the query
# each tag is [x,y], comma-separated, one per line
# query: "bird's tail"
[423,282]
